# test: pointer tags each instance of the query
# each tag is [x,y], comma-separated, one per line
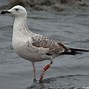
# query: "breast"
[20,45]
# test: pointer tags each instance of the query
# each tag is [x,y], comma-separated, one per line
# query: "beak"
[4,12]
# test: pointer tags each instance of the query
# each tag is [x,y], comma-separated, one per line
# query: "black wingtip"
[74,51]
[81,50]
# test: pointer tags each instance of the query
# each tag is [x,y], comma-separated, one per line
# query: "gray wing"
[44,42]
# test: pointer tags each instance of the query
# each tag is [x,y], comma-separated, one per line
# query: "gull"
[35,47]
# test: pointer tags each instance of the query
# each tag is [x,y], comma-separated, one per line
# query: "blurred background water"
[70,27]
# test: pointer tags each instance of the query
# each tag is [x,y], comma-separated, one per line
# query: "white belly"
[28,53]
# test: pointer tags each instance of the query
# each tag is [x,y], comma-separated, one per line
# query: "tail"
[74,51]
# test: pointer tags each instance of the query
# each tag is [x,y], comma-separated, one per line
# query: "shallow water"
[70,27]
[63,82]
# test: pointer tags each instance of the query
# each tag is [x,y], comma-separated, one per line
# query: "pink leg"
[34,71]
[45,69]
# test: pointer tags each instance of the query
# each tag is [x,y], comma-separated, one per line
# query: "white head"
[17,11]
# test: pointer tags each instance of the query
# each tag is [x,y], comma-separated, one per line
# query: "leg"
[34,71]
[44,69]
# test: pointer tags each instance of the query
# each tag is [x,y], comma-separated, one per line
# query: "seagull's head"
[17,11]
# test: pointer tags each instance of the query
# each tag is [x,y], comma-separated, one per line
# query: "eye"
[16,9]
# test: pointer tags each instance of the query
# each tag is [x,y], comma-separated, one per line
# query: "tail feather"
[74,51]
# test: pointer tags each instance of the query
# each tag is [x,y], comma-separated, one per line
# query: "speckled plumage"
[35,47]
[31,46]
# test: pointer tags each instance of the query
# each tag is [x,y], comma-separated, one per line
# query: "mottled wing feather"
[45,42]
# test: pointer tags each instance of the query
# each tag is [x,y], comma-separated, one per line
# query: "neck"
[19,21]
[20,26]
